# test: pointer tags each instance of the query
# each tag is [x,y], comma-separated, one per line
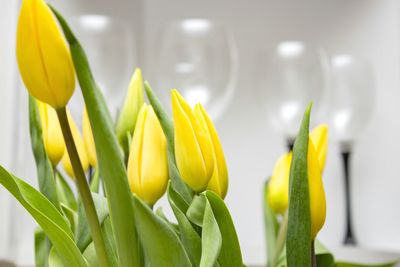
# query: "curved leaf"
[190,238]
[196,210]
[44,168]
[42,248]
[111,163]
[211,239]
[47,216]
[65,192]
[230,255]
[160,243]
[298,241]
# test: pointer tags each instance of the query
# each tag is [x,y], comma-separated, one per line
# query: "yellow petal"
[316,190]
[88,139]
[319,137]
[43,57]
[219,180]
[132,104]
[193,149]
[80,146]
[278,187]
[147,163]
[51,133]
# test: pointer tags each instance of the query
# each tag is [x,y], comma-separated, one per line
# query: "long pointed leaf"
[230,255]
[47,216]
[190,238]
[160,243]
[298,242]
[111,164]
[45,172]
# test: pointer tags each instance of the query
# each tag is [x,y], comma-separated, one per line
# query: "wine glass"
[199,58]
[296,74]
[109,44]
[351,107]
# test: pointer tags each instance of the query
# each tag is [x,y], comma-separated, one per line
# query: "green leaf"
[90,255]
[70,215]
[298,242]
[211,239]
[190,238]
[65,193]
[195,213]
[95,183]
[54,259]
[42,248]
[168,128]
[160,213]
[230,255]
[271,228]
[348,264]
[45,173]
[324,256]
[161,244]
[47,216]
[109,241]
[83,235]
[111,163]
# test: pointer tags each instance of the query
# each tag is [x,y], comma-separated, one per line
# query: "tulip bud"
[316,191]
[278,188]
[319,136]
[43,57]
[133,102]
[148,163]
[193,148]
[219,179]
[51,133]
[80,146]
[88,139]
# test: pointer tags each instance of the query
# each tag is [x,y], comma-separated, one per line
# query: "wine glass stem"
[289,144]
[349,238]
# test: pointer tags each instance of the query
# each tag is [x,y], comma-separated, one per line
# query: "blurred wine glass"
[109,44]
[199,58]
[296,74]
[351,107]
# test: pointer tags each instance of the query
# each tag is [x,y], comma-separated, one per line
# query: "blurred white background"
[366,28]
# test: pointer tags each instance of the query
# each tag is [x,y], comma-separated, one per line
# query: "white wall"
[364,27]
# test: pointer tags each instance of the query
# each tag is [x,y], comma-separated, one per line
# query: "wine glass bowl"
[296,74]
[352,98]
[199,58]
[110,47]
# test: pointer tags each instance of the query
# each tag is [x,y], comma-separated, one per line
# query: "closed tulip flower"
[193,148]
[278,188]
[51,132]
[219,179]
[130,110]
[43,57]
[88,139]
[147,163]
[80,146]
[319,136]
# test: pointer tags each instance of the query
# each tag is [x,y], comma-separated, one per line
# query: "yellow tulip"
[193,148]
[219,179]
[278,188]
[132,104]
[147,163]
[80,146]
[51,132]
[319,136]
[88,139]
[316,191]
[43,57]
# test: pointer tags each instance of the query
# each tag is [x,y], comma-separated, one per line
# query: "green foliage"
[111,163]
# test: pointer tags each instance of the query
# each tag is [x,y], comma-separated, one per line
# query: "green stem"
[281,240]
[313,256]
[83,189]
